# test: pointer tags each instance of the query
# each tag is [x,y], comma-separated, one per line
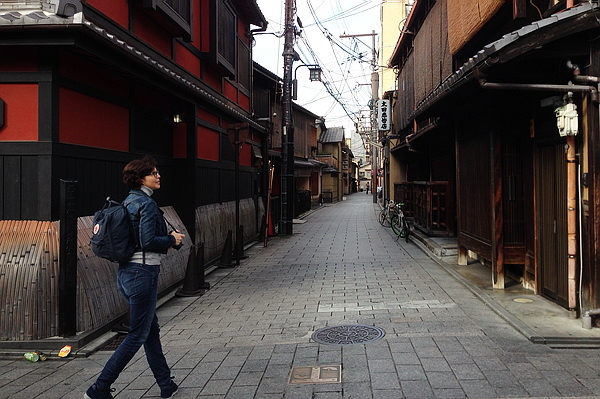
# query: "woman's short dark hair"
[136,170]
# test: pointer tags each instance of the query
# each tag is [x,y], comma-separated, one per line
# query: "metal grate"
[113,343]
[348,334]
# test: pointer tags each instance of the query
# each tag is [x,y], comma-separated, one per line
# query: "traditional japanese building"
[495,134]
[87,86]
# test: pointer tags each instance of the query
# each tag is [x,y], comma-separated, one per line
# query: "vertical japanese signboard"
[383,115]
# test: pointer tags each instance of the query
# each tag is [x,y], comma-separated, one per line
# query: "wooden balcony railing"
[429,204]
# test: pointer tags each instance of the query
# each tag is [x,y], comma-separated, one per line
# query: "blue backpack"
[113,236]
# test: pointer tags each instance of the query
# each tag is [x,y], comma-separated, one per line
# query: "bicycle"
[387,213]
[392,216]
[399,223]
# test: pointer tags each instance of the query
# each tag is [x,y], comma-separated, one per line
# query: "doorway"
[551,200]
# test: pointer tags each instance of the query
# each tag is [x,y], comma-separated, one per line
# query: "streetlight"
[315,72]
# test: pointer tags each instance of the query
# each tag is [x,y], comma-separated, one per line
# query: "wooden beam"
[497,212]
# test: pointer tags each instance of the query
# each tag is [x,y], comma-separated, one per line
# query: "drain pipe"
[586,318]
[538,87]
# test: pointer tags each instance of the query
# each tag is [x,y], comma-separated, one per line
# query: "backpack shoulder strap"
[138,241]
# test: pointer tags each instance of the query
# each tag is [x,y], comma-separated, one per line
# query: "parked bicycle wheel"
[405,229]
[384,220]
[397,225]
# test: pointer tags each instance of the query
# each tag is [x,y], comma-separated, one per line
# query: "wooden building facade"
[482,91]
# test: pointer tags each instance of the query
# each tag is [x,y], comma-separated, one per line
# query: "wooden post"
[67,281]
[463,257]
[497,212]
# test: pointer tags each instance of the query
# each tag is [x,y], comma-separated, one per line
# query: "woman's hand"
[178,237]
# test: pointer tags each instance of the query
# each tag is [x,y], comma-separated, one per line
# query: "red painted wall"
[243,30]
[244,101]
[246,155]
[208,144]
[91,122]
[187,60]
[230,91]
[21,112]
[207,116]
[204,26]
[152,33]
[196,24]
[115,9]
[212,79]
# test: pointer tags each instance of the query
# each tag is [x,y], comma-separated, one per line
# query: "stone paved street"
[242,338]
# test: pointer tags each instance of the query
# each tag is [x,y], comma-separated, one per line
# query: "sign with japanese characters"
[383,115]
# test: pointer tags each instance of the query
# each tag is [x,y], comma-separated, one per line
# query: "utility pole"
[374,128]
[287,139]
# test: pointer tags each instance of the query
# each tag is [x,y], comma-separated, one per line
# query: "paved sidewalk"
[242,338]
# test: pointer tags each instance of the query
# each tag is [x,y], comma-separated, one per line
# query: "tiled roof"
[332,135]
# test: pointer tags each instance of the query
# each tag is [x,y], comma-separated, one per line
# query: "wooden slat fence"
[28,279]
[215,220]
[29,271]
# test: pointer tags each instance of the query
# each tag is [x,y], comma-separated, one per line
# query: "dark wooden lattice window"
[244,65]
[225,42]
[181,8]
[261,101]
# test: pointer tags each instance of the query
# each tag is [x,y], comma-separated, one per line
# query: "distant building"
[337,157]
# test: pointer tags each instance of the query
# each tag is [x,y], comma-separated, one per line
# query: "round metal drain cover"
[347,334]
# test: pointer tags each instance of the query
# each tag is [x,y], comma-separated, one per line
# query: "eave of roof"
[264,71]
[499,51]
[41,18]
[308,163]
[253,12]
[406,30]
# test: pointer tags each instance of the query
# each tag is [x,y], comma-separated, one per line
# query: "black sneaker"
[170,390]
[94,393]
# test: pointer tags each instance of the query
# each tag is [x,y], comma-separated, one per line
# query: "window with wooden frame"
[244,69]
[224,37]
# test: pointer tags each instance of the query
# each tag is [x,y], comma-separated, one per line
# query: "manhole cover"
[347,334]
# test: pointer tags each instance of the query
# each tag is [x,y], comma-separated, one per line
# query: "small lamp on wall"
[177,118]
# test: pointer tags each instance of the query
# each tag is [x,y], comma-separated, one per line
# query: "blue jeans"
[139,284]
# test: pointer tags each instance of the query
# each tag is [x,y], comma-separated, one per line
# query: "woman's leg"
[155,356]
[139,285]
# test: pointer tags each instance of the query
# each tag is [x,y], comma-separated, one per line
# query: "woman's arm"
[153,232]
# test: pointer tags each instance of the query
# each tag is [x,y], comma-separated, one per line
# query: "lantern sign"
[383,115]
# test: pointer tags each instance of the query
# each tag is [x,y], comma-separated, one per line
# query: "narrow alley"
[433,337]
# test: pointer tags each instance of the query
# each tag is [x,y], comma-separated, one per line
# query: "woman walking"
[137,279]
